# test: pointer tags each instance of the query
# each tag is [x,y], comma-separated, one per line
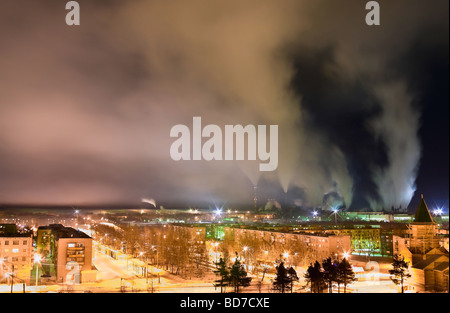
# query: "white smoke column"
[368,55]
[232,53]
[397,126]
[322,168]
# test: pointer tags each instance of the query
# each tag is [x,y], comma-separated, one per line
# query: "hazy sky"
[86,111]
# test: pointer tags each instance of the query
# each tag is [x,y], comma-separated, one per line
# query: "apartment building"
[67,249]
[15,255]
[317,246]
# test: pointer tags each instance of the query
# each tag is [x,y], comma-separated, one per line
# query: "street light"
[245,257]
[37,260]
[215,244]
[2,261]
[335,211]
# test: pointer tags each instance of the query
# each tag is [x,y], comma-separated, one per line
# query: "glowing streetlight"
[215,244]
[335,211]
[37,261]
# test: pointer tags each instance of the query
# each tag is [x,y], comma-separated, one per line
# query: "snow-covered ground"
[118,275]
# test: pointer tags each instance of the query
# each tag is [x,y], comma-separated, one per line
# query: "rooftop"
[423,214]
[64,232]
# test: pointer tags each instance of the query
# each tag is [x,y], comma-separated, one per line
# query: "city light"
[37,258]
[142,253]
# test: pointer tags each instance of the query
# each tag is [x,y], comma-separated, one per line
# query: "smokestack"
[255,199]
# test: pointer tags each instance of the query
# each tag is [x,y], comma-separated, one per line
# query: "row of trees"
[329,273]
[174,249]
[263,249]
[177,250]
[318,276]
[284,281]
[234,275]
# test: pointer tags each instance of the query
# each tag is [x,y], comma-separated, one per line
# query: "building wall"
[423,237]
[74,255]
[441,280]
[401,247]
[417,279]
[44,241]
[319,246]
[16,251]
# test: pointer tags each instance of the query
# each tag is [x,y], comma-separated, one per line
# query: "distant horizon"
[140,206]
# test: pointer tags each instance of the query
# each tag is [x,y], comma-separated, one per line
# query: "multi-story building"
[15,253]
[317,246]
[67,249]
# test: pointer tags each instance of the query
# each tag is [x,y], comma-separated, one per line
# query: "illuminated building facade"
[15,256]
[318,246]
[67,249]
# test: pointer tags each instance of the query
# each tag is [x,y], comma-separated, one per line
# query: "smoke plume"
[86,111]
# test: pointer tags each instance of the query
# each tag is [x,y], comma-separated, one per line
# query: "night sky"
[362,111]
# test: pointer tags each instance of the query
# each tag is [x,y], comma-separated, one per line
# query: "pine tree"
[282,280]
[330,273]
[292,277]
[314,276]
[399,272]
[238,276]
[224,273]
[345,274]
